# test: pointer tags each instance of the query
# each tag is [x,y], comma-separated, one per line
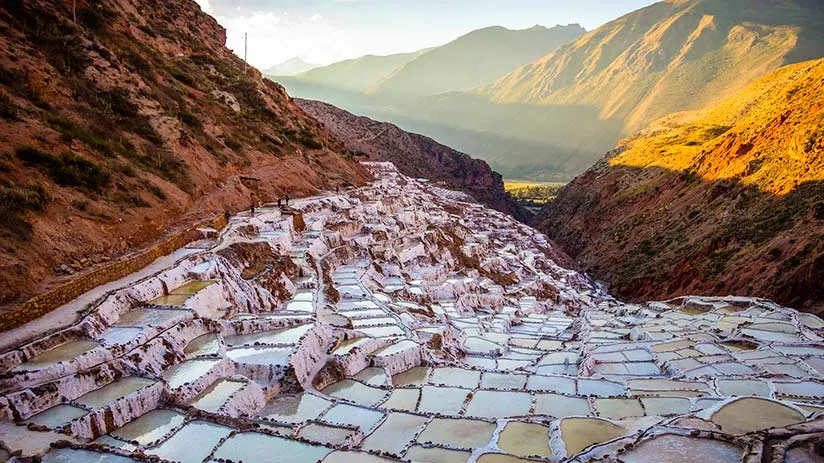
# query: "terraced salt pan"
[276,337]
[188,371]
[436,454]
[444,400]
[119,335]
[61,353]
[193,442]
[345,347]
[395,433]
[113,391]
[295,408]
[458,377]
[252,447]
[681,449]
[539,364]
[151,317]
[747,415]
[213,397]
[207,344]
[150,427]
[402,399]
[499,404]
[192,287]
[58,415]
[525,440]
[580,433]
[323,434]
[416,376]
[69,455]
[459,433]
[356,392]
[372,376]
[260,355]
[351,415]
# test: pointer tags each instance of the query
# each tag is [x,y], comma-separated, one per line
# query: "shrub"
[119,102]
[189,119]
[183,77]
[309,141]
[7,109]
[156,191]
[232,144]
[95,140]
[130,200]
[80,205]
[67,169]
[14,203]
[74,171]
[690,176]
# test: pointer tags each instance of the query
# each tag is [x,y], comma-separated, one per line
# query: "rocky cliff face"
[727,200]
[129,121]
[416,155]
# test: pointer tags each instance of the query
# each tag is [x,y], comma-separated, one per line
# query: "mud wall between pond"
[44,303]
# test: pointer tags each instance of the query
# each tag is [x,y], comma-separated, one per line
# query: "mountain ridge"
[632,68]
[480,56]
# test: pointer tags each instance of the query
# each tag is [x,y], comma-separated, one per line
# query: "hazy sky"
[325,31]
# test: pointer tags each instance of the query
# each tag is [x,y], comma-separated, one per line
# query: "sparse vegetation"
[15,202]
[309,141]
[189,119]
[129,200]
[67,169]
[7,108]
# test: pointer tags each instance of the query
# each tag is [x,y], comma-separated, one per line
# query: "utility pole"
[245,51]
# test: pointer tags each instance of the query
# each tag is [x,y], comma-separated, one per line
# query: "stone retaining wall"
[42,304]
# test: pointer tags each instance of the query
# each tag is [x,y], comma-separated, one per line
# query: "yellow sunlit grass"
[770,135]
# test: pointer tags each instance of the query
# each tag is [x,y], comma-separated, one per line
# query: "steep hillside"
[129,123]
[357,74]
[672,56]
[416,156]
[477,58]
[727,200]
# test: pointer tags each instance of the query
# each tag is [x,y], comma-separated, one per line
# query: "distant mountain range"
[357,74]
[290,67]
[473,60]
[557,111]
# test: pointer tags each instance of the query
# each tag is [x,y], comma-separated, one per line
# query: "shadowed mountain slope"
[726,200]
[416,156]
